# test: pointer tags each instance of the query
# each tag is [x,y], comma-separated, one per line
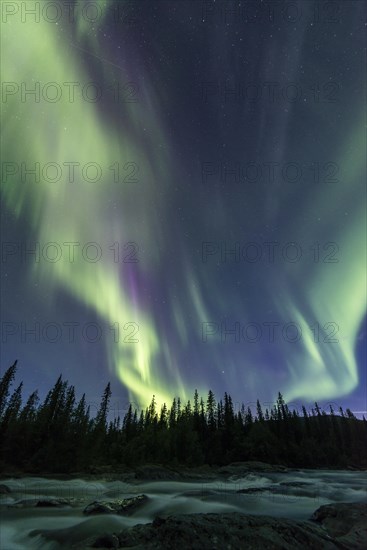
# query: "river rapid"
[294,494]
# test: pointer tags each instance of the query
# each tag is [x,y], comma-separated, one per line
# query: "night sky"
[212,154]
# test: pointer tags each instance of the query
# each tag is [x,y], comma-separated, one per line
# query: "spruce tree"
[259,411]
[210,410]
[5,383]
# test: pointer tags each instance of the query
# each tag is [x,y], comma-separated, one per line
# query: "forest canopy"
[60,435]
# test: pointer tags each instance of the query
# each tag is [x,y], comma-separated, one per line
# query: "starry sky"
[190,177]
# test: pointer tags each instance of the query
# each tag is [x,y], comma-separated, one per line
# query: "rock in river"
[125,506]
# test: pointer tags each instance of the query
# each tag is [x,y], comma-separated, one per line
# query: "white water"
[62,527]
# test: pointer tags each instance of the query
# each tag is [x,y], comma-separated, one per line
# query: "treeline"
[59,435]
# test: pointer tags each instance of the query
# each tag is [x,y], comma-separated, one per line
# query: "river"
[294,494]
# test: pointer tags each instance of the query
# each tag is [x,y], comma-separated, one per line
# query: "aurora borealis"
[225,143]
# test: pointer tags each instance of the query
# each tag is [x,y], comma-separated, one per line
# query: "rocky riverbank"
[156,472]
[335,526]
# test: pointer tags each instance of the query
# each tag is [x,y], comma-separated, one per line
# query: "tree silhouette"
[59,435]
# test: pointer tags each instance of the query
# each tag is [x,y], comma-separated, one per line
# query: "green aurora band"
[76,212]
[81,212]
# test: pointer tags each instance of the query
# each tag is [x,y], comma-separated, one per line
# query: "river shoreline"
[169,472]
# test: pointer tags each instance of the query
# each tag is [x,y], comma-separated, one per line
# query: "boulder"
[124,506]
[41,503]
[344,521]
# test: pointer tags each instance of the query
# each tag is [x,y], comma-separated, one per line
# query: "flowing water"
[294,494]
